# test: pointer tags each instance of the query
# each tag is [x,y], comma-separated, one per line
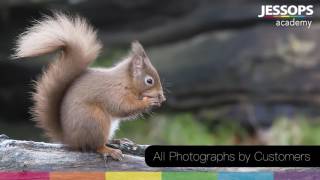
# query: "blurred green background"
[230,78]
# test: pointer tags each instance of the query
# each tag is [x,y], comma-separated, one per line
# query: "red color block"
[24,175]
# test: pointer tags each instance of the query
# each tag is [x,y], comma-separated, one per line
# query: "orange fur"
[79,46]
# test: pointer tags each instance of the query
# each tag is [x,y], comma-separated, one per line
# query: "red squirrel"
[81,106]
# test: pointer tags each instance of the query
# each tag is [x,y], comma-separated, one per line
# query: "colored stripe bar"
[285,175]
[290,16]
[284,17]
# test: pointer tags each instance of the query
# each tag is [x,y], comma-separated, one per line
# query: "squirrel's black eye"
[149,80]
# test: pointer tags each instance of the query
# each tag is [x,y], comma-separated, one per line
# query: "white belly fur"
[114,126]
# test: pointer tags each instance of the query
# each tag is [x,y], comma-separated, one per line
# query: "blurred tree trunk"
[211,55]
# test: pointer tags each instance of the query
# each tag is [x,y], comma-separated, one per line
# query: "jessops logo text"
[288,15]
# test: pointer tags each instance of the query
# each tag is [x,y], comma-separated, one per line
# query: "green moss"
[295,131]
[167,129]
[229,133]
[180,129]
[186,129]
[311,133]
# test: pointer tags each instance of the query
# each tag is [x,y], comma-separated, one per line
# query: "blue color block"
[245,176]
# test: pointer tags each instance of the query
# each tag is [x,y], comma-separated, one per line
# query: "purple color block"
[294,175]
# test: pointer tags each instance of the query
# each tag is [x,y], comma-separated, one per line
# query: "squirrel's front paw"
[152,101]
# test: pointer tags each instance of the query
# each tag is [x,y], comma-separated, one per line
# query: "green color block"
[189,176]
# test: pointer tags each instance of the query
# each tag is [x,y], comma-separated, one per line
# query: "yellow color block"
[133,175]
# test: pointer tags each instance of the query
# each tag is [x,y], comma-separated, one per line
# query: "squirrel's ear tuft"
[138,57]
[137,49]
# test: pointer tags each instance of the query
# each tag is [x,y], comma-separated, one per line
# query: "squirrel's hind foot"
[116,154]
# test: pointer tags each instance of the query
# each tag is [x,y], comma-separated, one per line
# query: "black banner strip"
[233,156]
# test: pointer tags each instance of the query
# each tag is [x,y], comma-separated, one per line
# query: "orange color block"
[77,176]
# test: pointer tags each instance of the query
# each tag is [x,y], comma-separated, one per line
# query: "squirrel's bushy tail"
[79,47]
